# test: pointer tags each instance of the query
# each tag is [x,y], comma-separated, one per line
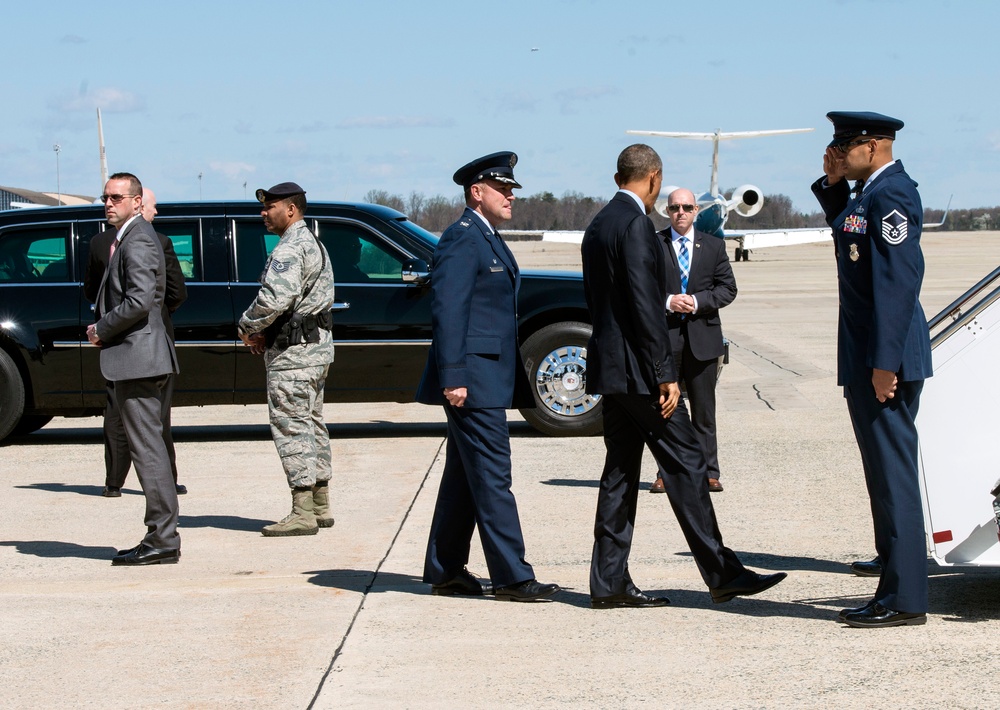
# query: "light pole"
[244,189]
[199,186]
[56,148]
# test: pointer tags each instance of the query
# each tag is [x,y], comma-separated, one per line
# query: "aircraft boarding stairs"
[959,429]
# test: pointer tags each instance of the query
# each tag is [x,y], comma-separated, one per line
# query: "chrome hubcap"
[561,382]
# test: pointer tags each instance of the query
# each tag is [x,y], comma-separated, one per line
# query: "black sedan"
[381,318]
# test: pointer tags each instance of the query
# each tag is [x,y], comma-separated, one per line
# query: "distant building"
[15,197]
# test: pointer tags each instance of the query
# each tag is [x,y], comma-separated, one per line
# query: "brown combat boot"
[321,504]
[301,521]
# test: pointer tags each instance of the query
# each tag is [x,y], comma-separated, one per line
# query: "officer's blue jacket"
[880,267]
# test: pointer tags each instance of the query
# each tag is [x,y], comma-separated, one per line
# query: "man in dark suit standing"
[629,363]
[700,281]
[475,370]
[883,347]
[117,460]
[137,356]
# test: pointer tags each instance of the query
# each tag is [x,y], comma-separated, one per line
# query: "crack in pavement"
[760,396]
[374,578]
[765,359]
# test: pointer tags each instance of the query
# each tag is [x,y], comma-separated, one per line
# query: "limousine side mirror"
[415,271]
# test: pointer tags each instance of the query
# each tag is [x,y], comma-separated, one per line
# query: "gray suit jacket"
[135,339]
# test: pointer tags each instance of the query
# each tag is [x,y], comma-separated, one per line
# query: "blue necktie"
[684,262]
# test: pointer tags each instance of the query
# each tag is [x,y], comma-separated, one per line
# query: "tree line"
[574,211]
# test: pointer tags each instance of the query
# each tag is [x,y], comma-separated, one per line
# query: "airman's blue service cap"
[498,166]
[280,191]
[848,125]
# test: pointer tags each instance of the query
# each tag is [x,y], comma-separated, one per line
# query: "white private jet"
[746,200]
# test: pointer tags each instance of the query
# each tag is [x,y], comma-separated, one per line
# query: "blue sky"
[344,97]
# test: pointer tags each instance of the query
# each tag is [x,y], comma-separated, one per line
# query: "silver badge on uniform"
[854,255]
[894,227]
[465,223]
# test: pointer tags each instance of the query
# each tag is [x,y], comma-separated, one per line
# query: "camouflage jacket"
[298,275]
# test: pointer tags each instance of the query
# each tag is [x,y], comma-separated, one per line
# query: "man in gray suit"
[137,358]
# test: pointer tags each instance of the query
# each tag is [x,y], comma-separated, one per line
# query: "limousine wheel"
[11,395]
[30,423]
[556,360]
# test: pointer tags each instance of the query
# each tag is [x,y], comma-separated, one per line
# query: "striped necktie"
[684,262]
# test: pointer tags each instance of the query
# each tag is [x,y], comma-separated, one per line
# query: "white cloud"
[570,98]
[107,99]
[396,122]
[72,39]
[231,169]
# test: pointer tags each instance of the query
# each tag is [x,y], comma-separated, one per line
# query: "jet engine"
[661,201]
[747,200]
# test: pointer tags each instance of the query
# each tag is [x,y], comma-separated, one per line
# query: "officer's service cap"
[498,166]
[848,125]
[281,191]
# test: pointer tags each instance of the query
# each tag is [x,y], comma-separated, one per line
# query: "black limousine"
[382,323]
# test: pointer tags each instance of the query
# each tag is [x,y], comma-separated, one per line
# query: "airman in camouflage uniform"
[289,323]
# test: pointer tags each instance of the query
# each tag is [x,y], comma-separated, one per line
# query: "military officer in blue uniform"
[883,351]
[475,370]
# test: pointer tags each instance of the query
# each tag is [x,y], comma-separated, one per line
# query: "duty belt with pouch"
[291,328]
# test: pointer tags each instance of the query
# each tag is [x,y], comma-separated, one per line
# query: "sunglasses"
[848,147]
[115,198]
[678,208]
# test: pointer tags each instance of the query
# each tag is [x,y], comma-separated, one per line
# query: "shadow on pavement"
[84,490]
[586,483]
[223,522]
[56,548]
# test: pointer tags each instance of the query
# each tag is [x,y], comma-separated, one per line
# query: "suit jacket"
[97,263]
[474,284]
[625,280]
[711,282]
[880,267]
[130,308]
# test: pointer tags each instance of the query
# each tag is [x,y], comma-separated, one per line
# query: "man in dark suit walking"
[137,357]
[700,282]
[629,363]
[117,460]
[475,370]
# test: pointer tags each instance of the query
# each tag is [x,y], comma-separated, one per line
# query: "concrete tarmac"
[341,619]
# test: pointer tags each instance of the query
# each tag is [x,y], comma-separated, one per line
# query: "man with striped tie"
[700,281]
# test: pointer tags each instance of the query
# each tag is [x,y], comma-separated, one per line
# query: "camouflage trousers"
[295,408]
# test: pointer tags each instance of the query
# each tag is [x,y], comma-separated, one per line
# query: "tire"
[555,358]
[30,423]
[11,395]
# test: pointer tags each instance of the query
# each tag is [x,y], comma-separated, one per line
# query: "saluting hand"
[884,383]
[834,166]
[670,395]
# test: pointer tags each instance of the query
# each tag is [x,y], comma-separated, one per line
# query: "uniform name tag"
[855,224]
[495,269]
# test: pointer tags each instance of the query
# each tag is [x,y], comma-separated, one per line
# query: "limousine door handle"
[340,306]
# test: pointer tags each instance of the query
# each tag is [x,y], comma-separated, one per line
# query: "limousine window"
[34,255]
[359,256]
[184,236]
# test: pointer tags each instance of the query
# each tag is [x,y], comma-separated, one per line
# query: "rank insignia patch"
[855,224]
[278,266]
[894,227]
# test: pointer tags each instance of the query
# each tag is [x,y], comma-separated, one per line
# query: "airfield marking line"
[374,578]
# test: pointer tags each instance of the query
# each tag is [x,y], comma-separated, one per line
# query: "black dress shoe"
[844,612]
[181,488]
[746,583]
[876,616]
[714,486]
[529,591]
[463,584]
[146,555]
[633,597]
[111,492]
[867,569]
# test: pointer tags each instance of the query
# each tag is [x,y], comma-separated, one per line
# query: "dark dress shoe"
[657,486]
[463,584]
[111,492]
[746,583]
[867,569]
[181,488]
[529,591]
[714,486]
[146,555]
[844,612]
[876,616]
[633,597]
